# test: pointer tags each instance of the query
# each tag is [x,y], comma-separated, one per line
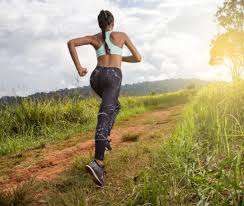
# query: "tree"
[231,15]
[191,86]
[228,48]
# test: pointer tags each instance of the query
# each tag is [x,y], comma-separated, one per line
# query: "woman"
[105,80]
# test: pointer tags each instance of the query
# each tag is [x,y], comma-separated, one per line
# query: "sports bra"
[113,48]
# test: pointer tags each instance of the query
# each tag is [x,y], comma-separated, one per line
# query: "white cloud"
[173,37]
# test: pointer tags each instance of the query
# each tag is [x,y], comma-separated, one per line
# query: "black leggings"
[106,82]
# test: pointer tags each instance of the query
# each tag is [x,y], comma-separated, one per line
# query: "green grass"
[33,124]
[76,188]
[122,167]
[202,163]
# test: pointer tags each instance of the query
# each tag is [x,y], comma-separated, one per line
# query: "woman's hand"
[135,57]
[82,71]
[79,42]
[131,59]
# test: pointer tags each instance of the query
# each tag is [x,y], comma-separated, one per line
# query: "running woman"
[105,80]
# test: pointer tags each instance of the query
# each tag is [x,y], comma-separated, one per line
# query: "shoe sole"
[108,149]
[94,175]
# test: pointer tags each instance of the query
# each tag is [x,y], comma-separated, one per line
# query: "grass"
[130,137]
[124,164]
[76,188]
[202,163]
[33,124]
[20,196]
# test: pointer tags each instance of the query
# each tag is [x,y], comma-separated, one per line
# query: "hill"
[136,89]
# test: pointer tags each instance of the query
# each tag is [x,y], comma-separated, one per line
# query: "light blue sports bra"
[113,48]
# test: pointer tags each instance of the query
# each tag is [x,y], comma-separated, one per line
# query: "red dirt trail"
[54,160]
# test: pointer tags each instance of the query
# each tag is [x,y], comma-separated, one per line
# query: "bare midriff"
[111,60]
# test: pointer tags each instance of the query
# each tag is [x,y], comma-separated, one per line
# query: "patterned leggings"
[106,82]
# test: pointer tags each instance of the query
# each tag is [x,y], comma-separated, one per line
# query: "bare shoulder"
[95,39]
[97,35]
[120,34]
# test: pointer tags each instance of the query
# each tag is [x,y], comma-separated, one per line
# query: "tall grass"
[202,163]
[20,196]
[31,124]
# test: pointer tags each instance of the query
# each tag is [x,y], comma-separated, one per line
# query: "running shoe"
[97,172]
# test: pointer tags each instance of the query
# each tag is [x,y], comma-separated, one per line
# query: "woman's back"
[108,45]
[115,41]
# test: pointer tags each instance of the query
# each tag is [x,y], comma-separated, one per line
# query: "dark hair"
[105,18]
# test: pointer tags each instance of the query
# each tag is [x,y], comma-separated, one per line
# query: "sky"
[173,37]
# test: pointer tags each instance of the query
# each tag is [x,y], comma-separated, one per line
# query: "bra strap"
[107,35]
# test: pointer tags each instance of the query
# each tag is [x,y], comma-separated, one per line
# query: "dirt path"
[48,162]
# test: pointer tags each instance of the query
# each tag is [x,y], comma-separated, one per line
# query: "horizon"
[35,56]
[140,82]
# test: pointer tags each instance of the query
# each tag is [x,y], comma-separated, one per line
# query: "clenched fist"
[82,71]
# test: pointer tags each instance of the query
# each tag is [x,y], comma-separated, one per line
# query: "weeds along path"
[45,164]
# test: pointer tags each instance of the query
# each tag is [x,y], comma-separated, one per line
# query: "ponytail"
[105,18]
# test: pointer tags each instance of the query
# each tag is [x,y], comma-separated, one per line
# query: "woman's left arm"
[79,42]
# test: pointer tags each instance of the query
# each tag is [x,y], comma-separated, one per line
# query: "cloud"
[173,37]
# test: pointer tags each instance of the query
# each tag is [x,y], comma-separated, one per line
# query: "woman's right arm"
[79,42]
[135,57]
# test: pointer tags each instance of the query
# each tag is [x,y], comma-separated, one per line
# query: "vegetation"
[196,159]
[20,196]
[228,47]
[136,89]
[130,137]
[74,186]
[202,163]
[122,167]
[230,15]
[31,124]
